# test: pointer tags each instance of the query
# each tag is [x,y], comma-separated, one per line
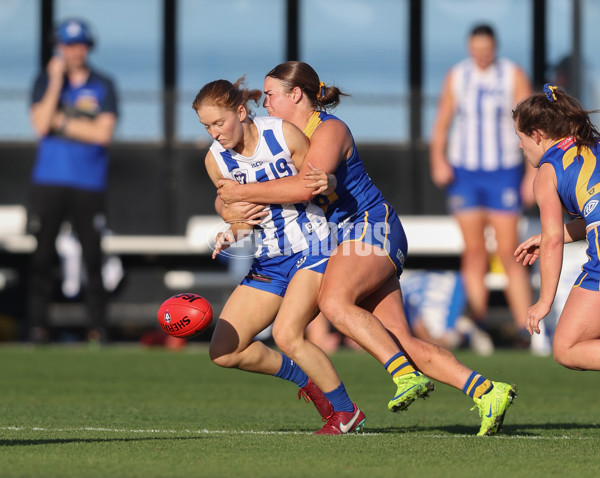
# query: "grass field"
[126,411]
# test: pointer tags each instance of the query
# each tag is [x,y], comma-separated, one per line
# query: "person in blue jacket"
[74,113]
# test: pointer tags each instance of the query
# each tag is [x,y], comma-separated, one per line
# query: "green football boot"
[410,387]
[493,406]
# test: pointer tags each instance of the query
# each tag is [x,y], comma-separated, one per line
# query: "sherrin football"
[185,315]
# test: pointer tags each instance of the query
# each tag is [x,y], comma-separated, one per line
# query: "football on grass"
[185,315]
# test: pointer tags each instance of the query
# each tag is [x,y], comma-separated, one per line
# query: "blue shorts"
[273,274]
[380,227]
[495,190]
[590,277]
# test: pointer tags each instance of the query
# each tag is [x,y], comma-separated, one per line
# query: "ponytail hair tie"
[321,93]
[550,91]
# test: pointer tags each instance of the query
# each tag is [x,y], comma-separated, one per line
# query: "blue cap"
[74,31]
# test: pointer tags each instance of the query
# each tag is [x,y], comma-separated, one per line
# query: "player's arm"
[286,190]
[522,88]
[44,108]
[551,244]
[440,169]
[529,250]
[98,130]
[330,144]
[239,229]
[240,211]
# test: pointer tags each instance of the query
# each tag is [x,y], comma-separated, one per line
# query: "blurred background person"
[435,303]
[74,113]
[475,155]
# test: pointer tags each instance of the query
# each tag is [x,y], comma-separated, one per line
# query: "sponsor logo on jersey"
[510,197]
[400,256]
[301,261]
[87,102]
[566,143]
[589,207]
[240,177]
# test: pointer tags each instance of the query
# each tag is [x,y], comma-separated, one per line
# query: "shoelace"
[303,395]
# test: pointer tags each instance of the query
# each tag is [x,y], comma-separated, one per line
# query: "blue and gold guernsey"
[357,207]
[578,185]
[288,228]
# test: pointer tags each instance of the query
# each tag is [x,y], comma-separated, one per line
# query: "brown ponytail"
[293,74]
[558,115]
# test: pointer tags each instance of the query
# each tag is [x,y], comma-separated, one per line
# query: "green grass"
[128,411]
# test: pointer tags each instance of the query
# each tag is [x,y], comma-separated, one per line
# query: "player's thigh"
[472,224]
[506,229]
[386,304]
[299,305]
[580,318]
[355,270]
[247,312]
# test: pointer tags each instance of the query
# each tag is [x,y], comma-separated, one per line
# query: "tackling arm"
[330,143]
[551,244]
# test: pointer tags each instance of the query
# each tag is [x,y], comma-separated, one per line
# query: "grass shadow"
[507,429]
[63,441]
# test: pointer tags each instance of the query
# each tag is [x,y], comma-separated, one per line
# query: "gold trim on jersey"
[362,236]
[587,169]
[312,124]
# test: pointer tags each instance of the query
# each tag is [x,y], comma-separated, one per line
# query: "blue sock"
[340,400]
[290,371]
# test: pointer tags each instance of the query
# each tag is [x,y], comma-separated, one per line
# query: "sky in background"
[359,45]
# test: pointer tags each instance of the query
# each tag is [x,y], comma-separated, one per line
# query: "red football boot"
[311,393]
[340,423]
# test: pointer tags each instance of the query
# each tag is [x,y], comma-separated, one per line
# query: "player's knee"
[286,339]
[222,356]
[563,354]
[332,308]
[281,338]
[475,255]
[563,359]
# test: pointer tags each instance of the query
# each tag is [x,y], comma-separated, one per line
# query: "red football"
[185,315]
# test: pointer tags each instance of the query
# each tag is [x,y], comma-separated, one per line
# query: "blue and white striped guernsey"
[288,228]
[483,136]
